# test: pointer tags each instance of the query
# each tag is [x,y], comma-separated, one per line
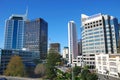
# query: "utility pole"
[72,73]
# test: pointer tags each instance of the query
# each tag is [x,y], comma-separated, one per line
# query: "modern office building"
[108,64]
[36,36]
[65,53]
[27,57]
[55,46]
[99,34]
[72,41]
[14,31]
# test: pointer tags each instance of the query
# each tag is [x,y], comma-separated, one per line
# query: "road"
[62,68]
[18,78]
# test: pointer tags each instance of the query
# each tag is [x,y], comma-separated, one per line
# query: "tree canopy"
[40,70]
[77,70]
[87,75]
[53,58]
[15,67]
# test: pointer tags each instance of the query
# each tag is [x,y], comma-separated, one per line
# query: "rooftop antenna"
[26,14]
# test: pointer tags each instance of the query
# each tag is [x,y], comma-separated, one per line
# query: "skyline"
[57,14]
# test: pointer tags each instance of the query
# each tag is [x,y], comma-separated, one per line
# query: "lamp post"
[72,71]
[72,74]
[72,68]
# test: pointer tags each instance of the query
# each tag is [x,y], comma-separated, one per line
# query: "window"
[97,25]
[112,64]
[113,69]
[106,22]
[111,22]
[104,63]
[96,32]
[100,20]
[100,24]
[104,68]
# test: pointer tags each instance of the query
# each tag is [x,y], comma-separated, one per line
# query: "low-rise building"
[65,53]
[27,57]
[108,64]
[85,60]
[55,46]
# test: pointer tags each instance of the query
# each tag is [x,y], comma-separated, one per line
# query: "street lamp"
[72,71]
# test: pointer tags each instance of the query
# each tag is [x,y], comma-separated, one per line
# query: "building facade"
[108,64]
[72,41]
[99,34]
[5,56]
[80,47]
[85,60]
[36,36]
[55,46]
[66,53]
[14,32]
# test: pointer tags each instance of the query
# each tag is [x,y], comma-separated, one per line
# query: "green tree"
[37,61]
[76,70]
[92,76]
[40,70]
[15,67]
[62,75]
[53,58]
[87,75]
[84,74]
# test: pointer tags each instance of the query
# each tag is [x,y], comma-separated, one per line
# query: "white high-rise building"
[72,41]
[99,34]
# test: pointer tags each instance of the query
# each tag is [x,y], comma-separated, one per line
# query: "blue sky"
[57,13]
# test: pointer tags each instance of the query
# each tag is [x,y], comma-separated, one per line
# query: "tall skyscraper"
[14,32]
[99,34]
[72,41]
[36,36]
[55,46]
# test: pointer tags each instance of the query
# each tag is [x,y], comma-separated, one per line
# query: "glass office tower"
[36,36]
[14,32]
[99,34]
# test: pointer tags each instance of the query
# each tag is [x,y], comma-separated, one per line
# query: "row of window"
[93,44]
[94,29]
[93,22]
[95,51]
[91,26]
